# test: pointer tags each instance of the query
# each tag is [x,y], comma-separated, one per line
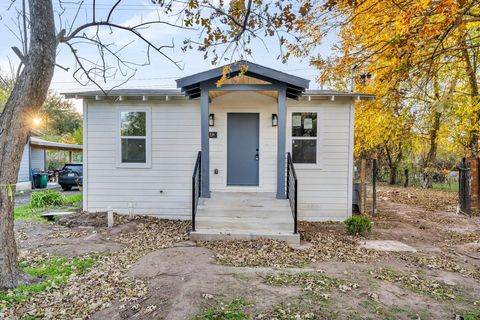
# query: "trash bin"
[36,180]
[43,180]
[356,197]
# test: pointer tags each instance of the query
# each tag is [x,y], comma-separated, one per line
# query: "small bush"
[47,198]
[358,225]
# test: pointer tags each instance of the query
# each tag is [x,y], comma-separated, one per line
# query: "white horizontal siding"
[24,171]
[165,188]
[37,157]
[323,192]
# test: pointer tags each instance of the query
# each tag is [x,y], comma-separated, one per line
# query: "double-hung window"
[134,138]
[304,138]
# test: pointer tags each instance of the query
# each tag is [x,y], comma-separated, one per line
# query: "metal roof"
[50,145]
[139,93]
[295,85]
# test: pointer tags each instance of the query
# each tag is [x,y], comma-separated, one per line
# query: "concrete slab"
[387,245]
[53,214]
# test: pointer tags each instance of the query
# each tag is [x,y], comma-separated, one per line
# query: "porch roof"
[295,86]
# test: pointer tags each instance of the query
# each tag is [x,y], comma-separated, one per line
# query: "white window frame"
[148,138]
[318,164]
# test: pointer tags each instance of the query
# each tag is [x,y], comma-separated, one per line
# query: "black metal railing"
[292,190]
[196,186]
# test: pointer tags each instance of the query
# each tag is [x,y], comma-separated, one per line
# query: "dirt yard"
[145,268]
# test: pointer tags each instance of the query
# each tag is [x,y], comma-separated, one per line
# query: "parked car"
[71,176]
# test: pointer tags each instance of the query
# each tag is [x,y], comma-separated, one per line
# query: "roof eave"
[235,67]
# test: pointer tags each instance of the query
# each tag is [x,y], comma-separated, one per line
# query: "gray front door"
[242,149]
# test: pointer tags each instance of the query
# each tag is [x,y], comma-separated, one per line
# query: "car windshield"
[75,168]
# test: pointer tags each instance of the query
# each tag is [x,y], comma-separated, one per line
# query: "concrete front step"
[244,216]
[276,227]
[214,234]
[244,207]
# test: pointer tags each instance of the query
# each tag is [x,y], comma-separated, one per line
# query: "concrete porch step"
[215,234]
[244,212]
[244,216]
[233,205]
[240,225]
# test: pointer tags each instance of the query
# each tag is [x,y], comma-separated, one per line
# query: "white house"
[243,160]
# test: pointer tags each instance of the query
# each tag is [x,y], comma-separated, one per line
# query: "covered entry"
[243,76]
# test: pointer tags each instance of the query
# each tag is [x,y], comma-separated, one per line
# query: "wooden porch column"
[205,143]
[281,136]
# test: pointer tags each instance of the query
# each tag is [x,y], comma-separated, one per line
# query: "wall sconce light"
[274,120]
[211,120]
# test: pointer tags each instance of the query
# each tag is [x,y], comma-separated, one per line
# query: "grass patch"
[288,312]
[52,271]
[317,284]
[415,283]
[234,310]
[30,211]
[471,315]
[74,200]
[446,187]
[26,212]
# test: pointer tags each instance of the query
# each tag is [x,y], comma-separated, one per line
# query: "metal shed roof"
[50,145]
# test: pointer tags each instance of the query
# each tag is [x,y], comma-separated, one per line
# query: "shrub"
[358,225]
[47,198]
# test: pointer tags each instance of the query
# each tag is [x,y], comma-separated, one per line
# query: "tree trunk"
[432,152]
[28,94]
[393,164]
[406,182]
[393,175]
[475,94]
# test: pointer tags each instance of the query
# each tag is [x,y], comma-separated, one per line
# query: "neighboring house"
[35,158]
[141,147]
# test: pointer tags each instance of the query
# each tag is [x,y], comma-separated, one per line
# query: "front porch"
[244,216]
[241,181]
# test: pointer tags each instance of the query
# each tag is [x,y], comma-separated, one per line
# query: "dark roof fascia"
[253,70]
[332,93]
[124,93]
[177,93]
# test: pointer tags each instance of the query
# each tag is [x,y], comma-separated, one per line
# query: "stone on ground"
[387,245]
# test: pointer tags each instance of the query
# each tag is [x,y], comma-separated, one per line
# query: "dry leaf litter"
[82,295]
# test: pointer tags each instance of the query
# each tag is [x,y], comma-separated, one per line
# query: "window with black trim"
[133,136]
[304,137]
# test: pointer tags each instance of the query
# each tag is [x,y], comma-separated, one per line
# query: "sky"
[161,73]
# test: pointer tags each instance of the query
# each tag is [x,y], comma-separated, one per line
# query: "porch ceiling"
[243,80]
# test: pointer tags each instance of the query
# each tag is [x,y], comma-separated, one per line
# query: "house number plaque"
[212,135]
